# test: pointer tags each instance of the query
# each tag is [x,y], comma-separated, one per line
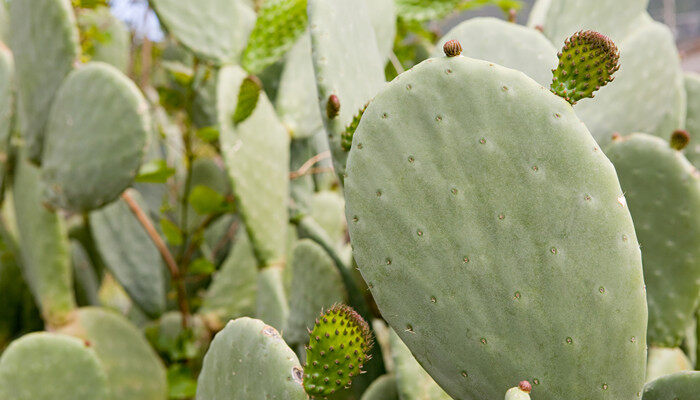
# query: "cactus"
[383,388]
[692,122]
[41,30]
[89,159]
[317,284]
[243,352]
[382,14]
[133,369]
[412,381]
[506,44]
[678,386]
[7,106]
[664,361]
[43,366]
[430,224]
[338,348]
[271,300]
[327,208]
[338,28]
[520,392]
[213,29]
[104,38]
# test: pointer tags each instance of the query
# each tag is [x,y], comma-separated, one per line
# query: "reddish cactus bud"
[679,139]
[452,48]
[333,106]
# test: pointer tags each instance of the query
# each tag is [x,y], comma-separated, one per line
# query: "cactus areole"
[586,63]
[679,139]
[452,48]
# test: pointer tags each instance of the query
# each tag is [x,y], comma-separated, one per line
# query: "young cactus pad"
[520,392]
[472,191]
[586,63]
[338,347]
[679,386]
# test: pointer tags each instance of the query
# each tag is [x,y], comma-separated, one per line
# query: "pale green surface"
[382,14]
[90,157]
[507,44]
[666,360]
[43,244]
[383,388]
[49,366]
[412,382]
[271,303]
[256,153]
[44,42]
[339,28]
[130,255]
[214,29]
[663,195]
[249,360]
[679,386]
[7,103]
[692,122]
[327,208]
[459,160]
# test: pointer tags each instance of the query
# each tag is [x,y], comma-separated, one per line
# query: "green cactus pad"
[317,285]
[105,38]
[412,381]
[45,45]
[44,246]
[560,18]
[663,194]
[237,275]
[49,366]
[214,29]
[7,105]
[133,369]
[658,80]
[90,158]
[692,122]
[382,14]
[339,28]
[338,348]
[4,24]
[664,361]
[297,100]
[517,393]
[130,255]
[327,208]
[587,62]
[271,303]
[383,388]
[506,44]
[472,191]
[256,153]
[249,360]
[678,386]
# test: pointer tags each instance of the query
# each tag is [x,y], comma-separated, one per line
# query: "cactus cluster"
[334,199]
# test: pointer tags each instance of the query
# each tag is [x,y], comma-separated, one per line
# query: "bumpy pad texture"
[412,382]
[256,153]
[130,255]
[91,157]
[493,234]
[679,386]
[663,194]
[48,366]
[214,29]
[133,369]
[339,28]
[249,360]
[507,44]
[44,42]
[692,121]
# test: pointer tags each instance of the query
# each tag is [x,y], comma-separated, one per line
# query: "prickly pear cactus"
[271,303]
[412,382]
[382,14]
[90,158]
[338,348]
[49,366]
[245,351]
[507,44]
[692,122]
[383,388]
[104,37]
[339,28]
[45,45]
[663,193]
[520,392]
[678,386]
[437,176]
[664,361]
[7,105]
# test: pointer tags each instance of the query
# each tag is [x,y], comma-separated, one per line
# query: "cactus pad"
[692,122]
[243,352]
[437,176]
[664,361]
[586,63]
[49,366]
[663,194]
[412,381]
[678,386]
[338,348]
[44,42]
[271,303]
[520,392]
[7,105]
[383,388]
[506,44]
[104,37]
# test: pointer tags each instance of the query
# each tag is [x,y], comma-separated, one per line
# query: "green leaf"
[155,171]
[248,96]
[208,134]
[172,233]
[279,24]
[181,382]
[201,266]
[206,200]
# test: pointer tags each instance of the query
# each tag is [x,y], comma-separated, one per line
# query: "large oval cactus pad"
[692,121]
[95,138]
[494,235]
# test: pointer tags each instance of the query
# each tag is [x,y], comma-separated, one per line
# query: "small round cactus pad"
[494,236]
[679,386]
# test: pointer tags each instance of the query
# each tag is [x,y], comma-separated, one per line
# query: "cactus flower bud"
[333,106]
[520,392]
[452,48]
[679,139]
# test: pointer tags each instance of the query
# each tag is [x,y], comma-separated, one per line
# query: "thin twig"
[396,63]
[164,252]
[303,170]
[313,171]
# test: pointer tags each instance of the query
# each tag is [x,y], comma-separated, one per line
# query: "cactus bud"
[586,63]
[339,346]
[333,106]
[679,139]
[520,392]
[539,28]
[346,137]
[452,48]
[512,15]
